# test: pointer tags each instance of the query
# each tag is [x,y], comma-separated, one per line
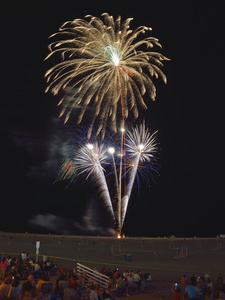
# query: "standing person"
[176,291]
[184,280]
[191,291]
[3,265]
[115,273]
[137,279]
[47,267]
[121,286]
[9,260]
[132,286]
[201,288]
[125,274]
[45,257]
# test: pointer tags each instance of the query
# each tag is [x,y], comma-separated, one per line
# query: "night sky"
[187,198]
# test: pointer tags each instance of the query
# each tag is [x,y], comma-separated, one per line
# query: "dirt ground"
[166,259]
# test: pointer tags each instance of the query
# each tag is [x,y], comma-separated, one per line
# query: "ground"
[161,257]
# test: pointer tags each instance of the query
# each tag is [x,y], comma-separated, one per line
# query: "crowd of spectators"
[21,278]
[201,288]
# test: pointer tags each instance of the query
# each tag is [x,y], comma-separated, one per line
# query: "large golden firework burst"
[103,67]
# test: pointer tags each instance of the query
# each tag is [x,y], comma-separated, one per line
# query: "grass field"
[159,256]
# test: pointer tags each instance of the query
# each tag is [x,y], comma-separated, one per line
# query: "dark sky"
[188,198]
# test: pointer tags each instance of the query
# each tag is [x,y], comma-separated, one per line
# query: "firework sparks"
[67,171]
[89,159]
[103,67]
[141,147]
[101,161]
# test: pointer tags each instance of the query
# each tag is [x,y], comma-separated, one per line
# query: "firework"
[107,165]
[141,147]
[103,67]
[89,159]
[67,171]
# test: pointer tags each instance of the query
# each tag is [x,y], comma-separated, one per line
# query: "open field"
[154,255]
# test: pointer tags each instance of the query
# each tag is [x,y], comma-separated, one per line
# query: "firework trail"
[89,159]
[141,147]
[102,67]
